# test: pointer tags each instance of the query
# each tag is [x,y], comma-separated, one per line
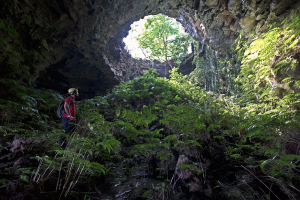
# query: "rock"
[79,43]
[252,5]
[260,16]
[247,23]
[19,147]
[279,7]
[226,31]
[235,27]
[260,27]
[21,161]
[189,174]
[235,7]
[225,15]
[271,18]
[212,3]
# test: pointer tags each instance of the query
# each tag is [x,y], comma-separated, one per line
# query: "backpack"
[61,110]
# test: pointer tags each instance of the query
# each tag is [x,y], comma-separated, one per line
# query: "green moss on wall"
[1,42]
[27,19]
[268,61]
[8,29]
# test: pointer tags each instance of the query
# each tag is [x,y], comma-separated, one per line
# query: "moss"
[19,57]
[2,44]
[270,26]
[27,19]
[8,28]
[35,55]
[267,56]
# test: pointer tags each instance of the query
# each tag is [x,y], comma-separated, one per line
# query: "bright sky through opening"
[132,45]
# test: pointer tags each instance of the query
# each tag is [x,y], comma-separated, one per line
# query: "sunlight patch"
[137,28]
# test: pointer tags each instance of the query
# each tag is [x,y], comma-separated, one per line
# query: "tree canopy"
[162,40]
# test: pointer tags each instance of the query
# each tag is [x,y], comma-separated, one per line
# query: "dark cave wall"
[130,68]
[64,43]
[58,46]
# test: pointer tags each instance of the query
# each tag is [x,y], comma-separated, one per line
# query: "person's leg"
[67,126]
[63,141]
[71,126]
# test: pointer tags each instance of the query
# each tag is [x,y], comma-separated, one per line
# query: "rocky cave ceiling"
[79,42]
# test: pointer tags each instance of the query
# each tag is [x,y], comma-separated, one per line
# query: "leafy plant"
[162,41]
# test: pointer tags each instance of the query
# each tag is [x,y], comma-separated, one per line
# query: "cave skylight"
[137,28]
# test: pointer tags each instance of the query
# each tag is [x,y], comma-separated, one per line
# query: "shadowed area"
[55,37]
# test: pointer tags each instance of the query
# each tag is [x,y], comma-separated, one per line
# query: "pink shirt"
[72,107]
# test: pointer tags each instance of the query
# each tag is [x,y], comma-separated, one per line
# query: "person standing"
[68,119]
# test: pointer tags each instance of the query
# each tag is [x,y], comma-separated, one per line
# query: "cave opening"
[137,28]
[155,41]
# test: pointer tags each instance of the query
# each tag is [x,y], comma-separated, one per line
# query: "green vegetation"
[9,29]
[27,19]
[188,118]
[7,32]
[17,61]
[214,71]
[250,125]
[28,121]
[162,41]
[268,62]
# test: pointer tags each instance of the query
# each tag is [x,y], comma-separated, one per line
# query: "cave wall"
[127,68]
[78,43]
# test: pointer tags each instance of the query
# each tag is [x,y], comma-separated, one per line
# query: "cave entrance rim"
[138,27]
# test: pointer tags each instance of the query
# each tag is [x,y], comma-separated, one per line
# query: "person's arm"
[67,109]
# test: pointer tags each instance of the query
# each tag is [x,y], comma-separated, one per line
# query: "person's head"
[73,92]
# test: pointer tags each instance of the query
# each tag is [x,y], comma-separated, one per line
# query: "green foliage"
[236,156]
[180,107]
[267,59]
[24,178]
[34,54]
[22,114]
[92,139]
[184,166]
[162,41]
[214,72]
[155,115]
[2,181]
[110,144]
[283,166]
[268,110]
[145,195]
[27,19]
[16,59]
[8,30]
